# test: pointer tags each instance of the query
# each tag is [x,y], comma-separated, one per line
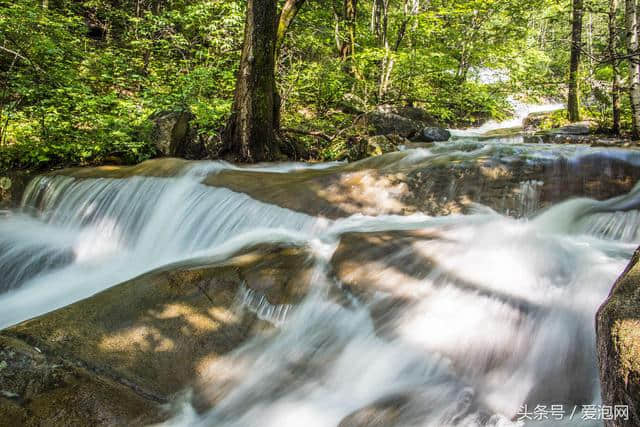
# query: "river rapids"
[498,308]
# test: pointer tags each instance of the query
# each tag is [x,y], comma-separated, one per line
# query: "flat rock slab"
[396,184]
[134,346]
[40,389]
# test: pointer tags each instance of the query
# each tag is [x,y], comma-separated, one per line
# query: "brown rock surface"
[124,350]
[618,341]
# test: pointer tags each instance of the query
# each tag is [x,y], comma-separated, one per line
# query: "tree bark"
[631,19]
[613,48]
[387,60]
[349,42]
[287,15]
[576,50]
[251,131]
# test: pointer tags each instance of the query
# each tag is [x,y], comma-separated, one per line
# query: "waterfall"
[520,112]
[75,237]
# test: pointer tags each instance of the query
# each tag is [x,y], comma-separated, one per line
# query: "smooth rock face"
[618,340]
[174,136]
[432,134]
[113,358]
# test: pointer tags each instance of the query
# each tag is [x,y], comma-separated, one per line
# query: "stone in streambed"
[618,344]
[174,135]
[39,389]
[140,342]
[384,123]
[432,134]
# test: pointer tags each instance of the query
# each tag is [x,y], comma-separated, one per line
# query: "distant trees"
[612,48]
[631,30]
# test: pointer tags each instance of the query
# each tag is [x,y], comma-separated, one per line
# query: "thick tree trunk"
[287,15]
[576,50]
[613,52]
[251,131]
[631,19]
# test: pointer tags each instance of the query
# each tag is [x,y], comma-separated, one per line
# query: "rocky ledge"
[118,357]
[618,340]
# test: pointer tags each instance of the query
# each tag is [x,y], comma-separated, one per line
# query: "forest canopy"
[80,79]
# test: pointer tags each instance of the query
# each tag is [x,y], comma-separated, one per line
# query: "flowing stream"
[503,318]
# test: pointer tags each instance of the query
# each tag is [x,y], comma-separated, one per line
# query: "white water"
[521,111]
[504,319]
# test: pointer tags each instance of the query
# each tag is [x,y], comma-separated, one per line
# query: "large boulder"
[432,134]
[618,341]
[112,359]
[174,135]
[384,123]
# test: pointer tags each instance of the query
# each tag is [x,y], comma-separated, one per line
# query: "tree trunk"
[287,15]
[576,50]
[613,52]
[631,18]
[349,42]
[251,131]
[387,60]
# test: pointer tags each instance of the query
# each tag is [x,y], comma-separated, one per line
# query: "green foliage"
[78,79]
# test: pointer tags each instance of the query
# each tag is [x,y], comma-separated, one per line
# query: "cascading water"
[88,235]
[521,111]
[491,312]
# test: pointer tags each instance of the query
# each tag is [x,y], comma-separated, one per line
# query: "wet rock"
[389,262]
[40,389]
[174,321]
[579,128]
[387,412]
[432,134]
[385,123]
[378,145]
[5,190]
[12,187]
[404,182]
[534,121]
[618,343]
[562,138]
[173,135]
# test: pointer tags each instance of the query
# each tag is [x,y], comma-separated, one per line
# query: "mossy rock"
[618,340]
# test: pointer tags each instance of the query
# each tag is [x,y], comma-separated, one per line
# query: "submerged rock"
[112,358]
[618,341]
